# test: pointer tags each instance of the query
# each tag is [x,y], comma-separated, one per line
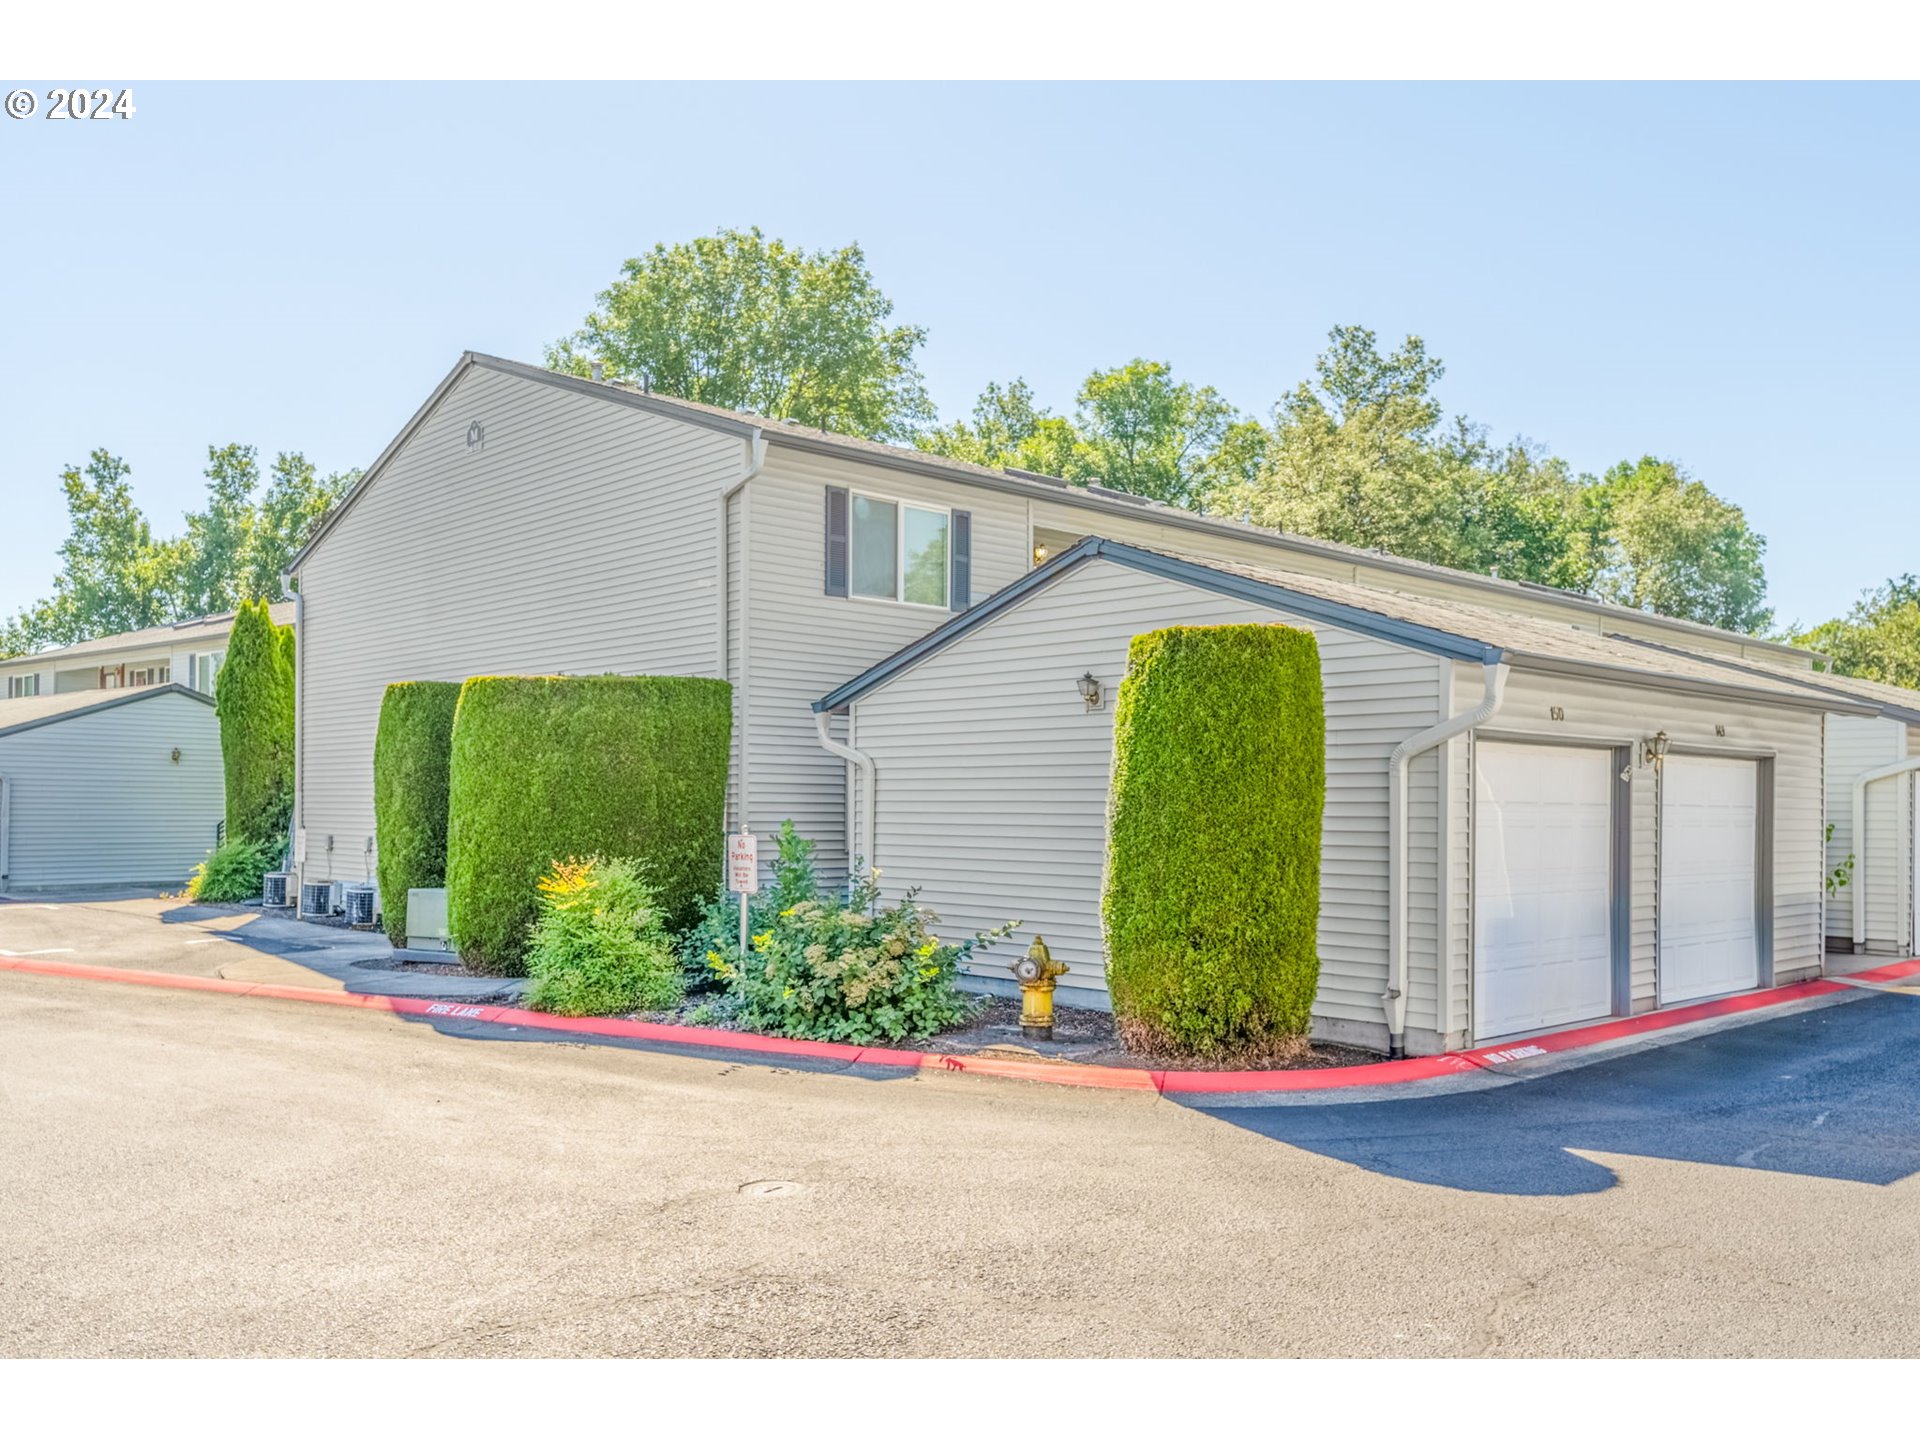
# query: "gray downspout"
[756,458]
[287,592]
[868,809]
[1394,1000]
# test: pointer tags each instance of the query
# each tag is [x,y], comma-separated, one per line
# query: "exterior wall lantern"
[1089,686]
[1653,750]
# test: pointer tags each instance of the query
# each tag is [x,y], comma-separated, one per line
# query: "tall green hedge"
[412,752]
[1212,897]
[549,767]
[254,700]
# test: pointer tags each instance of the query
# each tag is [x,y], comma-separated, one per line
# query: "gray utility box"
[427,920]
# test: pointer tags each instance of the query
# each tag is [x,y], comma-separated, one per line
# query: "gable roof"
[180,632]
[1448,628]
[1099,499]
[33,711]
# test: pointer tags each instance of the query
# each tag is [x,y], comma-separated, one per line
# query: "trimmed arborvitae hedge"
[254,699]
[1212,897]
[412,752]
[547,767]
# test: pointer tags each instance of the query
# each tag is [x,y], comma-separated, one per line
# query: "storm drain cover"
[772,1189]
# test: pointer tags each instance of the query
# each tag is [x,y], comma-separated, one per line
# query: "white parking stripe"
[22,954]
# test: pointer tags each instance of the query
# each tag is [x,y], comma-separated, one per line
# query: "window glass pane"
[926,556]
[875,548]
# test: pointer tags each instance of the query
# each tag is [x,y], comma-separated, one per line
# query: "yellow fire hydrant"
[1036,972]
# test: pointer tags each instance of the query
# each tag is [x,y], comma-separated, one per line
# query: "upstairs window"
[899,551]
[19,687]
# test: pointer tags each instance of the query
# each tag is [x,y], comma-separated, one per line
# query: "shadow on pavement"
[1827,1093]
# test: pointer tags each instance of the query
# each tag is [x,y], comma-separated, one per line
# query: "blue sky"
[1721,274]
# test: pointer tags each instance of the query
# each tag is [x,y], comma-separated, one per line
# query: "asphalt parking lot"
[200,1174]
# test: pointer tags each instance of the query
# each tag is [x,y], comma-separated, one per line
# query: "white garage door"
[1709,937]
[1543,912]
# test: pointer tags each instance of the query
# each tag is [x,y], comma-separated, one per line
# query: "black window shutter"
[837,566]
[960,566]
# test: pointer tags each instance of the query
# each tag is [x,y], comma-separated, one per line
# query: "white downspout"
[1860,784]
[294,821]
[868,809]
[1494,679]
[756,458]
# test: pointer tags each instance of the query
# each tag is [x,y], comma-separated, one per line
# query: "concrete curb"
[1482,1061]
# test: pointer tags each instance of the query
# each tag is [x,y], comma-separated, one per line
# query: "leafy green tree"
[1360,455]
[1363,454]
[296,499]
[254,701]
[1671,545]
[219,535]
[114,575]
[1009,430]
[1525,516]
[1879,638]
[1135,429]
[1146,433]
[741,321]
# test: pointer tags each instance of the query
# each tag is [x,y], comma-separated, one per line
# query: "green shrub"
[599,946]
[715,936]
[1212,897]
[254,700]
[412,750]
[550,766]
[827,969]
[233,870]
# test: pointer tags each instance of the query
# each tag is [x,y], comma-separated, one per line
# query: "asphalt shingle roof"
[180,632]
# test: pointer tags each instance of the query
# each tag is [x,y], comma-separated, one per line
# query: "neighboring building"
[102,789]
[526,521]
[187,653]
[1553,872]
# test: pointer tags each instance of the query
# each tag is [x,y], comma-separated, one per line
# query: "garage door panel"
[1709,871]
[1543,938]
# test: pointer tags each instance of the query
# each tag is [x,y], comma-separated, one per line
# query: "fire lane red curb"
[1899,970]
[1102,1077]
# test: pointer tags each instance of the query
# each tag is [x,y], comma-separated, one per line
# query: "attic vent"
[476,436]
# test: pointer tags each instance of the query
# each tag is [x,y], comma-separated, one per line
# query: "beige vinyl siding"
[803,642]
[581,539]
[1597,713]
[1855,745]
[992,781]
[1146,530]
[96,798]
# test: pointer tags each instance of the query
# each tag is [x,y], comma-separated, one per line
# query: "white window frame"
[23,687]
[900,508]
